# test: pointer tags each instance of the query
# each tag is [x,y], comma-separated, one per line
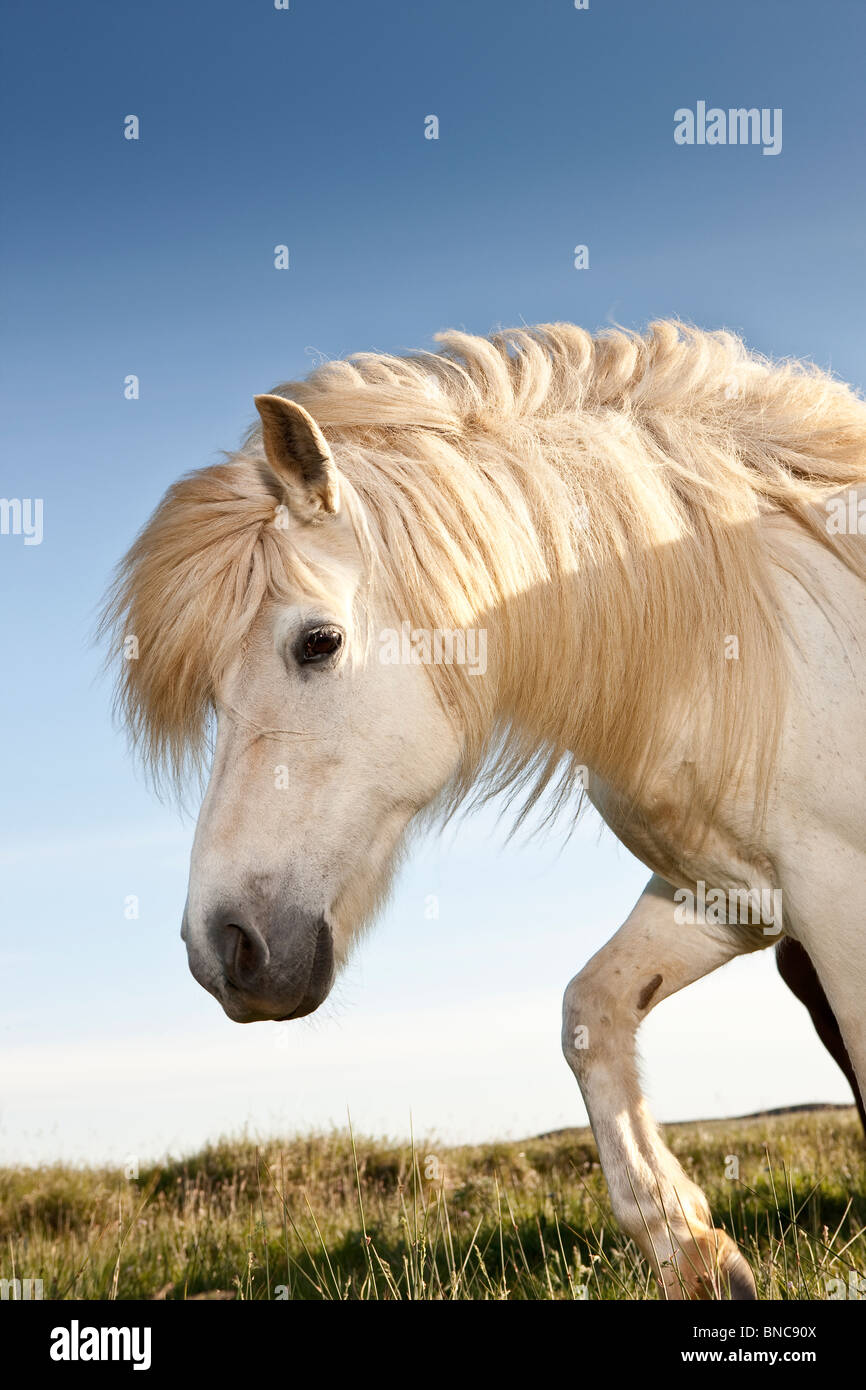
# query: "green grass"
[329,1217]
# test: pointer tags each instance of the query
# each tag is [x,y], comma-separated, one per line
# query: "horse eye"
[319,643]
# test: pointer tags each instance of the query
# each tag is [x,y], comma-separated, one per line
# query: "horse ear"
[299,455]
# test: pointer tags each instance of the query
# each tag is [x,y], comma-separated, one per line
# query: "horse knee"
[592,1017]
[573,1020]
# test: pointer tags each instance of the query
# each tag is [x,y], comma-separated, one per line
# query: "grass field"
[332,1217]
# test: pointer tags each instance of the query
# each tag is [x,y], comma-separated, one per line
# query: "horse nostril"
[244,953]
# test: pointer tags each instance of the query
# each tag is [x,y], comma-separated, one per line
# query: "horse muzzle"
[281,969]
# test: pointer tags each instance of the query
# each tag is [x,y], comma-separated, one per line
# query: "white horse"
[659,539]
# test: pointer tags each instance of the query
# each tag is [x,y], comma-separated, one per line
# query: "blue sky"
[155,257]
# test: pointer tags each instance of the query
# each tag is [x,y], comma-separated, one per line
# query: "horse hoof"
[735,1276]
[741,1282]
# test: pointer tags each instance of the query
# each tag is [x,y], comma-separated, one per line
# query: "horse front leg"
[801,977]
[666,1214]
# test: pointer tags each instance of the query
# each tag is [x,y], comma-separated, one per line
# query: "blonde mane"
[592,501]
